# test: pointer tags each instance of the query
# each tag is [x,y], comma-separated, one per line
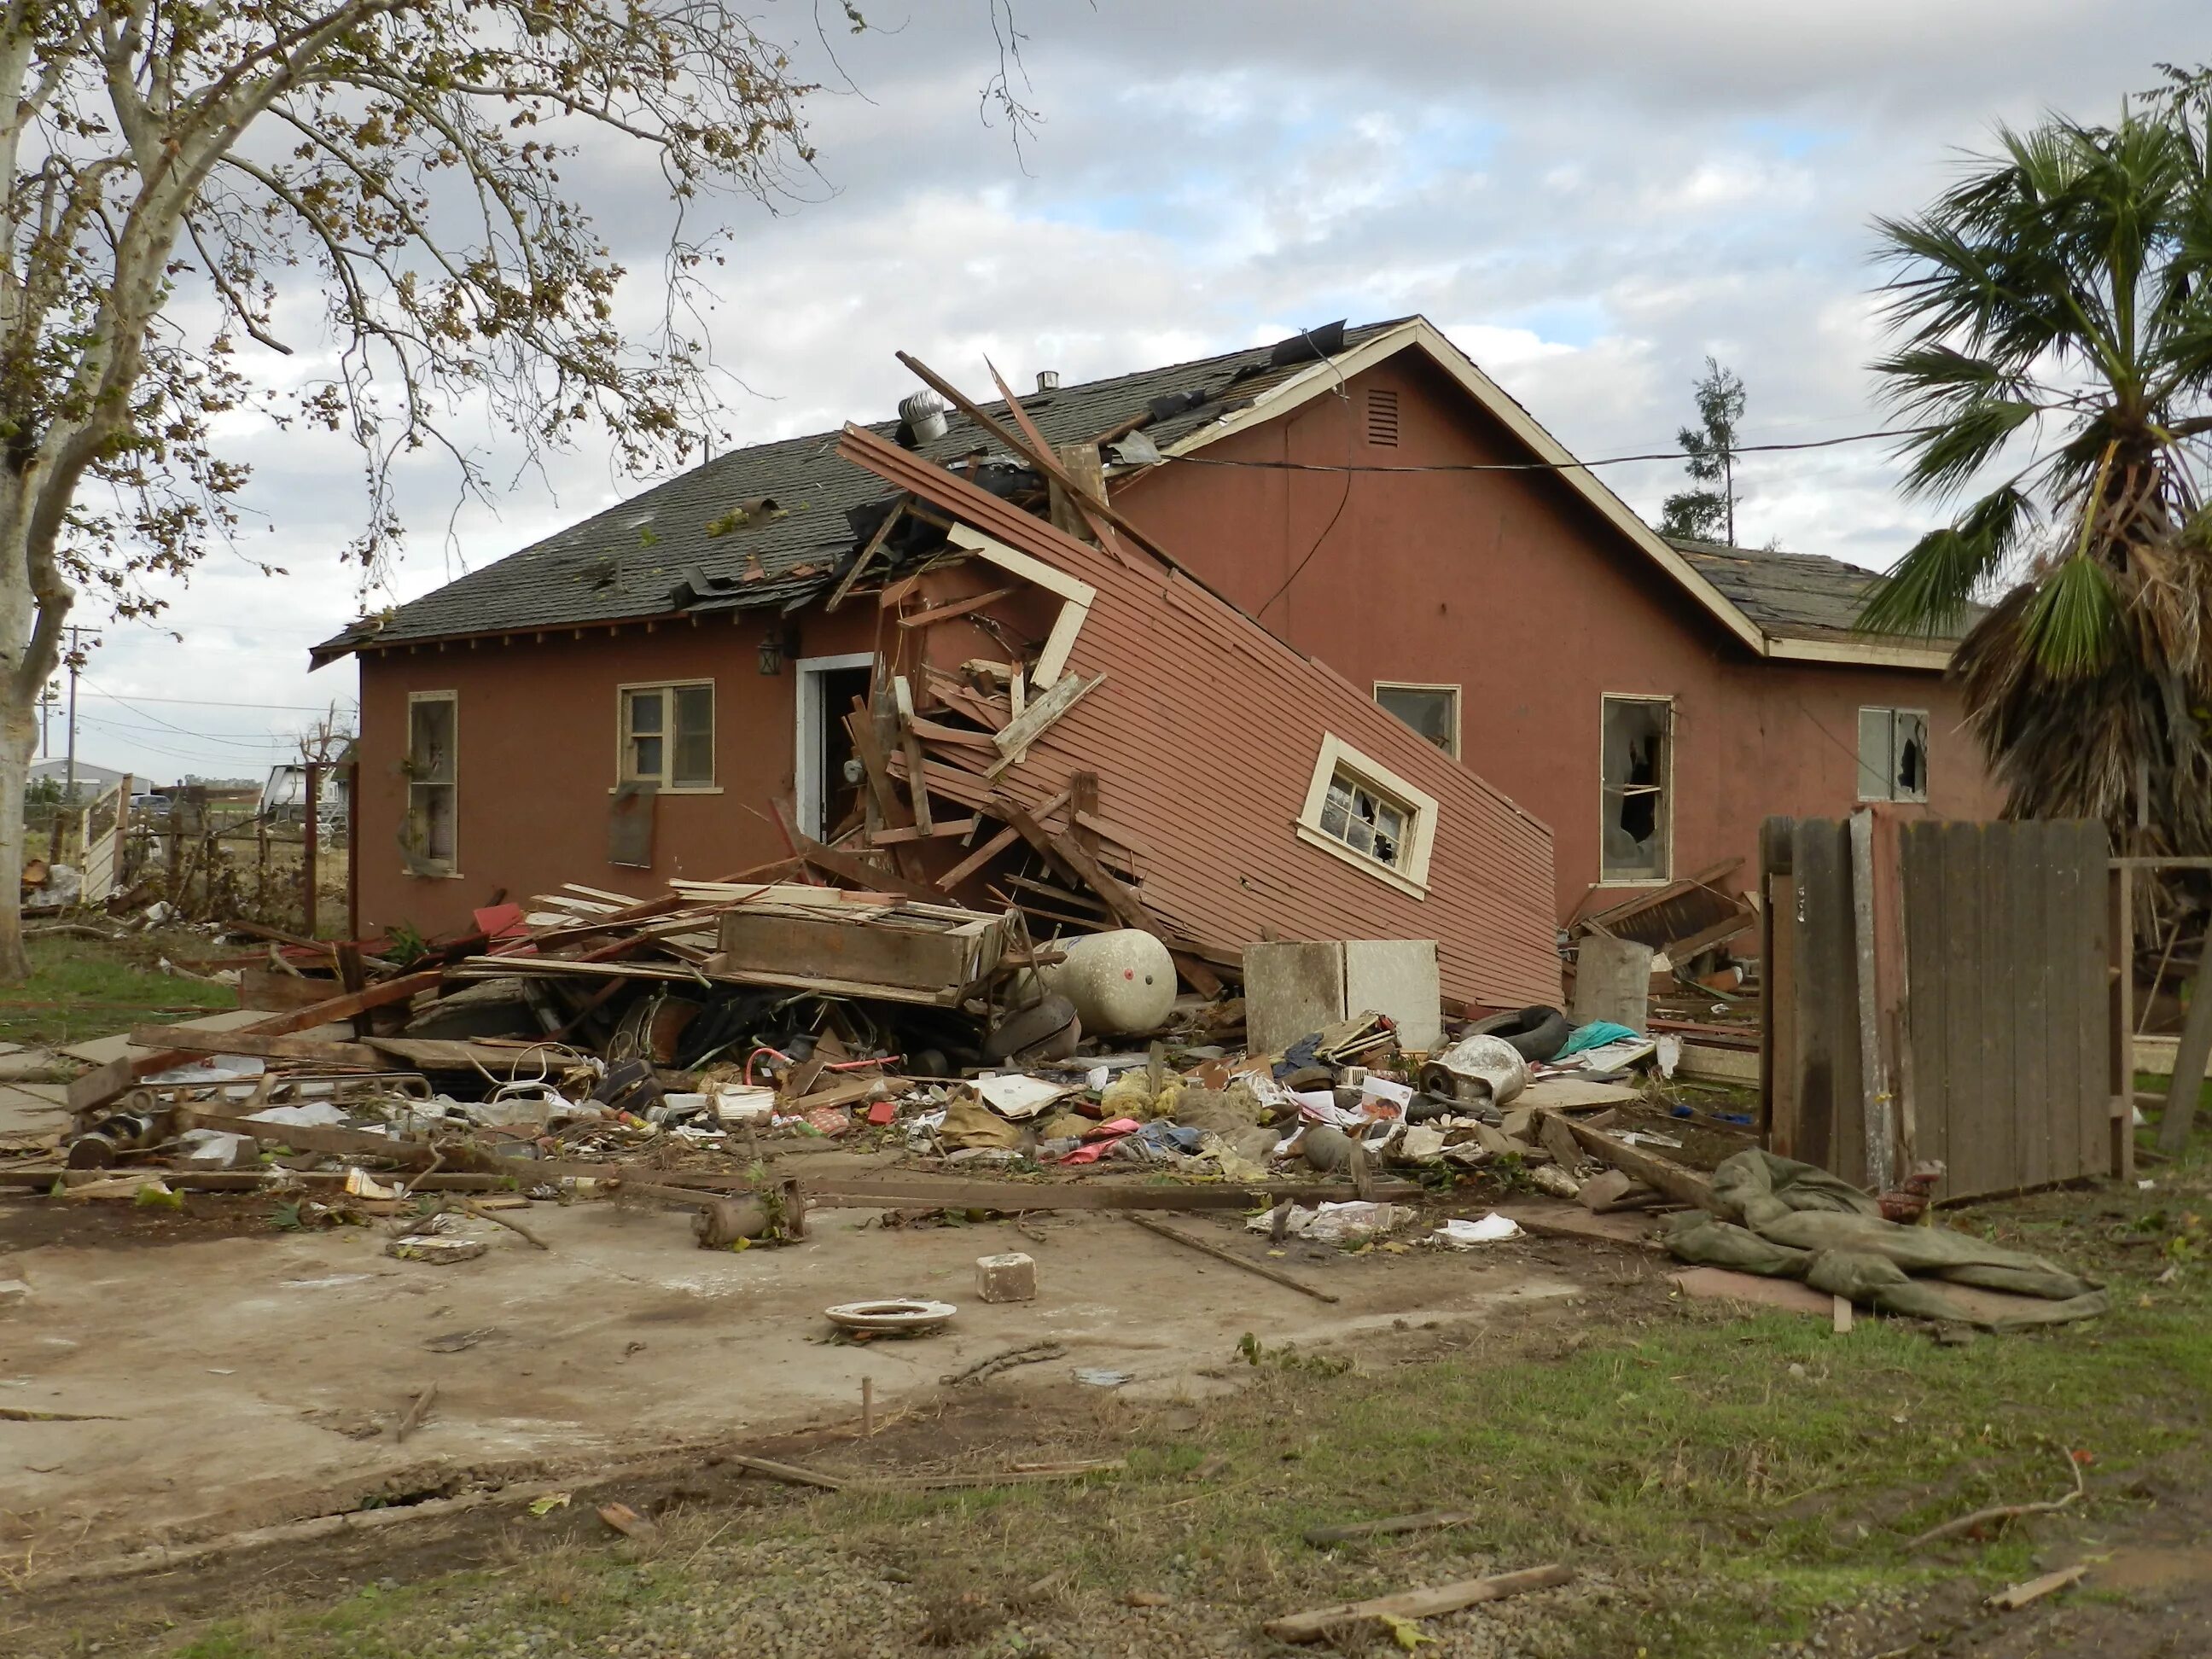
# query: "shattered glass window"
[1637,762]
[1892,754]
[432,775]
[1365,820]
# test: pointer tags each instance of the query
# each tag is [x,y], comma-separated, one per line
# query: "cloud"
[1589,196]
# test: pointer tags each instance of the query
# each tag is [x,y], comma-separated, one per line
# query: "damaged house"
[1324,639]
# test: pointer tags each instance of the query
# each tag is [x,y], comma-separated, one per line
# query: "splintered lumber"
[1417,1604]
[861,873]
[413,1420]
[310,1138]
[1040,715]
[1661,1175]
[2012,1600]
[1220,1253]
[1131,909]
[265,1047]
[1426,1520]
[96,1088]
[449,1055]
[954,608]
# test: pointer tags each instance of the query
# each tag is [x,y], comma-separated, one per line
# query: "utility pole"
[76,656]
[47,699]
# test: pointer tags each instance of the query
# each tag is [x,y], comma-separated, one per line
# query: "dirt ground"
[237,1377]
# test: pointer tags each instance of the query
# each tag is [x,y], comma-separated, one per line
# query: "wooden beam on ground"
[1415,1604]
[200,1042]
[96,1088]
[1661,1175]
[1014,1197]
[1222,1253]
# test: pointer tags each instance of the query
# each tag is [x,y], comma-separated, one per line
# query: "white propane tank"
[1122,983]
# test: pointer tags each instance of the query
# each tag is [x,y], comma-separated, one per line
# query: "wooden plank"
[1926,1037]
[1606,920]
[1415,1604]
[1016,1197]
[931,732]
[954,609]
[1679,952]
[1108,829]
[1875,1096]
[828,946]
[868,551]
[1427,1520]
[1777,1028]
[944,828]
[339,1142]
[861,873]
[1222,1253]
[1035,719]
[96,1088]
[2029,874]
[253,1044]
[2122,1022]
[444,1055]
[1892,980]
[1827,1004]
[1660,1174]
[888,807]
[2092,1130]
[1985,1137]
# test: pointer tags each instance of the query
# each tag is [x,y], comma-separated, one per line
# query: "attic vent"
[1383,417]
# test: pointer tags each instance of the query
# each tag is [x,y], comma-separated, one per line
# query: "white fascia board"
[1933,659]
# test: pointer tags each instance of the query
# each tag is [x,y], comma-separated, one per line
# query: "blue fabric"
[1596,1035]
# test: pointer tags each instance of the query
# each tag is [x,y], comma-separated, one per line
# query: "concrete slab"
[284,1358]
[24,1112]
[1397,977]
[19,1062]
[1292,988]
[1563,1220]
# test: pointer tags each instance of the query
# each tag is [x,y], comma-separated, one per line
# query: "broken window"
[668,735]
[429,839]
[1638,763]
[1893,754]
[1430,710]
[1367,814]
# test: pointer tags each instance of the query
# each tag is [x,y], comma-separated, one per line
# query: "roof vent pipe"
[924,414]
[1048,379]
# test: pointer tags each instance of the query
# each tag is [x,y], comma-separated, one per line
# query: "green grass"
[1730,1477]
[81,989]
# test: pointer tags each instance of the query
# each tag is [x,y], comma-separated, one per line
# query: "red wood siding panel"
[1204,738]
[1512,587]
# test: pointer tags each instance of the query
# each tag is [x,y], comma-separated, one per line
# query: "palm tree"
[2056,307]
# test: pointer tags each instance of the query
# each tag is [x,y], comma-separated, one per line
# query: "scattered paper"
[359,1183]
[1018,1095]
[1461,1235]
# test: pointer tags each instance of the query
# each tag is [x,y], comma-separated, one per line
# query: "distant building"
[284,797]
[90,780]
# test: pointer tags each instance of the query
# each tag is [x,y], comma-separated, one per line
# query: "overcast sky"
[1589,195]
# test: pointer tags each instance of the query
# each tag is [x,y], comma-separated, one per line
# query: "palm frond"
[1928,590]
[1948,457]
[2073,624]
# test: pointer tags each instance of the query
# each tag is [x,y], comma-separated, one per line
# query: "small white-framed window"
[668,735]
[1893,754]
[430,836]
[1430,710]
[1636,795]
[1359,811]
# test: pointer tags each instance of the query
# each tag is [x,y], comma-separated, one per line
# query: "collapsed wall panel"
[1268,795]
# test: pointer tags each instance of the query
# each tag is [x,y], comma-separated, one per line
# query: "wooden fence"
[1940,991]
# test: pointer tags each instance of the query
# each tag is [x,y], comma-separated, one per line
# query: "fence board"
[2007,1032]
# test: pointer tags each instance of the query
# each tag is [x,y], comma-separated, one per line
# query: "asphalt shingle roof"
[626,562]
[1791,595]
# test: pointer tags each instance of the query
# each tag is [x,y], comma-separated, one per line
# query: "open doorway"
[829,772]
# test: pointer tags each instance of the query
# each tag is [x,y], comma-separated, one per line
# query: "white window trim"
[452,870]
[1459,701]
[1412,876]
[1052,662]
[1889,784]
[667,738]
[1667,790]
[806,773]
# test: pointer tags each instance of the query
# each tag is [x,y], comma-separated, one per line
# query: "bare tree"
[169,165]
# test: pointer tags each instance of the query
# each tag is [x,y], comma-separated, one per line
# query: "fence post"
[352,853]
[308,848]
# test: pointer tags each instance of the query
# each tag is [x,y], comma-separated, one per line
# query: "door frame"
[807,779]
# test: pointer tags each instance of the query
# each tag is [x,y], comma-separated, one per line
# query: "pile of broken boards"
[579,1040]
[1783,1219]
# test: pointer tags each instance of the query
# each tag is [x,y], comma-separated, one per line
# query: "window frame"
[1861,769]
[1458,702]
[662,781]
[1665,877]
[1410,874]
[422,865]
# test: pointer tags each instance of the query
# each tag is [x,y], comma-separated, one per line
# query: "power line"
[210,702]
[1544,466]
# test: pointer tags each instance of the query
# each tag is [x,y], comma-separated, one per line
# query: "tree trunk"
[19,732]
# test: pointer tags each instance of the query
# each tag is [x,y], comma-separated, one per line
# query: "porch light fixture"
[772,648]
